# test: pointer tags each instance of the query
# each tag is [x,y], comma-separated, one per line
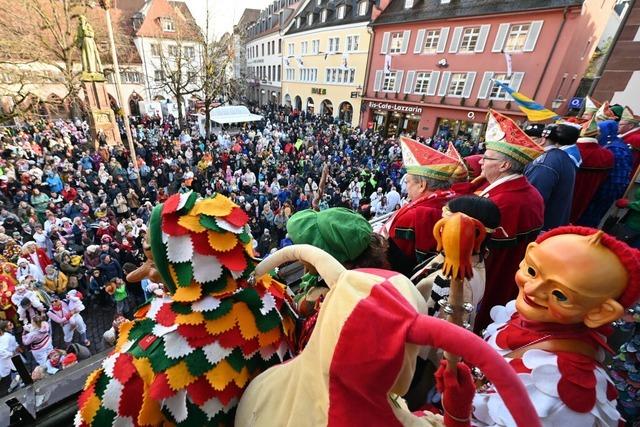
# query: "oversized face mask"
[570,279]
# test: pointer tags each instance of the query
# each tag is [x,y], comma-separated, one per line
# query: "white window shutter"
[442,41]
[482,38]
[408,85]
[468,84]
[532,37]
[433,83]
[385,43]
[444,83]
[485,85]
[377,82]
[419,41]
[498,44]
[455,40]
[405,41]
[398,84]
[516,80]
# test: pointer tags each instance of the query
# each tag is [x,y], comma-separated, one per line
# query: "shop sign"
[354,94]
[394,107]
[318,91]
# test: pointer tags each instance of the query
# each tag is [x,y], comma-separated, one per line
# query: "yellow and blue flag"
[534,111]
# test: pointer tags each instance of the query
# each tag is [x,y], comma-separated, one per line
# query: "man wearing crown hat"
[629,129]
[430,174]
[521,206]
[572,283]
[590,108]
[596,164]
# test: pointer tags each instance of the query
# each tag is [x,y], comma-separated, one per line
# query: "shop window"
[517,37]
[395,46]
[389,82]
[422,82]
[352,43]
[431,40]
[469,39]
[496,91]
[456,86]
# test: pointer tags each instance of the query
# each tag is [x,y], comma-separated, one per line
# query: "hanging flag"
[325,56]
[507,59]
[345,60]
[534,111]
[299,60]
[286,62]
[387,64]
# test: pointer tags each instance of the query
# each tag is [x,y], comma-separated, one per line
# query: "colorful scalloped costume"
[187,357]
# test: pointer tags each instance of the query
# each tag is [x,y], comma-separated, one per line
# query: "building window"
[309,75]
[168,25]
[395,46]
[341,11]
[389,82]
[298,22]
[318,2]
[310,19]
[262,48]
[279,46]
[456,86]
[362,8]
[469,39]
[268,48]
[278,76]
[291,74]
[174,50]
[496,91]
[352,43]
[334,44]
[340,75]
[155,49]
[323,15]
[517,37]
[291,49]
[431,40]
[408,4]
[315,46]
[158,76]
[422,82]
[304,46]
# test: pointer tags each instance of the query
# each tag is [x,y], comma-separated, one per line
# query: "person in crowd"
[8,348]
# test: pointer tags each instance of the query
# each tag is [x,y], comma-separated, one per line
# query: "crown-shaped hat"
[605,113]
[504,136]
[461,172]
[628,116]
[589,129]
[421,160]
[591,105]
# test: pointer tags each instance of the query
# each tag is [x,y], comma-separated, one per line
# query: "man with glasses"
[509,150]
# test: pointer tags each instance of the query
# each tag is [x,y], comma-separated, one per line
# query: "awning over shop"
[233,114]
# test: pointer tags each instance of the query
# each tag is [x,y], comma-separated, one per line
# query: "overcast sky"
[224,13]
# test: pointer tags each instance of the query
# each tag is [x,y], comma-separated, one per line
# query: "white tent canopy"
[233,114]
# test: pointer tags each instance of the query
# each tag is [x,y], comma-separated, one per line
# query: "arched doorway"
[346,112]
[326,108]
[287,100]
[134,104]
[310,105]
[298,103]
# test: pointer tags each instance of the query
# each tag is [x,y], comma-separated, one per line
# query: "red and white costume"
[567,389]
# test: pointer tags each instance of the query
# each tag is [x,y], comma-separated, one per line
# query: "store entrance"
[393,124]
[448,128]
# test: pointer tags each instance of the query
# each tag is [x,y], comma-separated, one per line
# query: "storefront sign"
[394,107]
[318,91]
[354,94]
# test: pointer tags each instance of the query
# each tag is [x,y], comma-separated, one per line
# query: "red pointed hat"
[421,160]
[461,172]
[504,136]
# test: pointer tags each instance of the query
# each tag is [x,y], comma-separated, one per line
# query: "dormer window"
[168,25]
[408,4]
[362,8]
[341,11]
[298,22]
[318,2]
[310,19]
[323,15]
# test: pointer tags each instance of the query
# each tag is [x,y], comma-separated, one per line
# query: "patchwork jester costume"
[187,357]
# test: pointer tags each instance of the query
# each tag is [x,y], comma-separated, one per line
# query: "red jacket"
[597,162]
[521,218]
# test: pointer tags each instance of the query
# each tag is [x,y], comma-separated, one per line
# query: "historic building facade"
[434,63]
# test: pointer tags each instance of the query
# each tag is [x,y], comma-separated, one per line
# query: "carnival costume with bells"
[187,357]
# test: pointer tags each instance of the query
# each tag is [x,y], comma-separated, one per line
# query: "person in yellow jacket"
[55,281]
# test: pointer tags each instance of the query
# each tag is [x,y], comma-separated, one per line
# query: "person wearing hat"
[429,177]
[596,164]
[629,128]
[521,207]
[553,174]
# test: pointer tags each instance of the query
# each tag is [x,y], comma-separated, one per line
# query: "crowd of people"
[74,217]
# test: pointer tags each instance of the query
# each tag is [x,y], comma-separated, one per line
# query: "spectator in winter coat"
[110,268]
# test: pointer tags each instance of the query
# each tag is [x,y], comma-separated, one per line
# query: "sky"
[224,13]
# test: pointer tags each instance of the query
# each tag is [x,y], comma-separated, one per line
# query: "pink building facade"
[433,64]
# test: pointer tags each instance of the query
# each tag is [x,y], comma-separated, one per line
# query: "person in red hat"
[521,206]
[629,128]
[430,174]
